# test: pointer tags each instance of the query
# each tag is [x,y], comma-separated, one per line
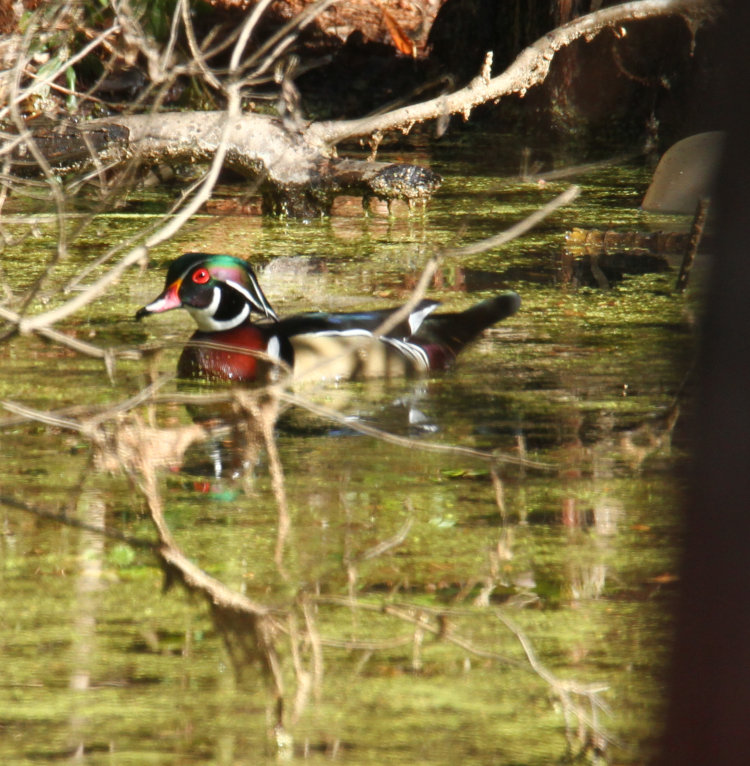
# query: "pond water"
[432,606]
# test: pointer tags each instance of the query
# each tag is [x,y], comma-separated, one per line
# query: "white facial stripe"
[258,300]
[417,317]
[215,301]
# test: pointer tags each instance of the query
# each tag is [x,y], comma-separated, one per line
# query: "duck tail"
[443,336]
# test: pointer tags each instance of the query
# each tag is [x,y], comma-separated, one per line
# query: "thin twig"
[407,614]
[389,543]
[195,50]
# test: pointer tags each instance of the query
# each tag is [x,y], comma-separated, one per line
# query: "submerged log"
[599,258]
[603,241]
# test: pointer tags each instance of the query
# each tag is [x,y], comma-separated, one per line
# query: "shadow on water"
[473,568]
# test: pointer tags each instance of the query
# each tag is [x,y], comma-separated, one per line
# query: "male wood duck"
[221,293]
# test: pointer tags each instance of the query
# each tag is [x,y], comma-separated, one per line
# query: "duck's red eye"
[201,276]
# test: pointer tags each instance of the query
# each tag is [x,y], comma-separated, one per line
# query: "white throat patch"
[205,320]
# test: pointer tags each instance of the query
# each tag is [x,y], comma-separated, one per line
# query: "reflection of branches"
[451,449]
[251,630]
[261,412]
[388,544]
[442,625]
[589,731]
[69,521]
[194,577]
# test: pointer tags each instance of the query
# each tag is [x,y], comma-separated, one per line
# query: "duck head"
[219,291]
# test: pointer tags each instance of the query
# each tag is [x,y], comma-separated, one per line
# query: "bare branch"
[530,68]
[195,50]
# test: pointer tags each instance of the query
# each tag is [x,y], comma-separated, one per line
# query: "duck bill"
[168,300]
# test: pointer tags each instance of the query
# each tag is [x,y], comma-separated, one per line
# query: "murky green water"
[387,543]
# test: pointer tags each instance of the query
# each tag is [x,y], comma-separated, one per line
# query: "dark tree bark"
[710,685]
